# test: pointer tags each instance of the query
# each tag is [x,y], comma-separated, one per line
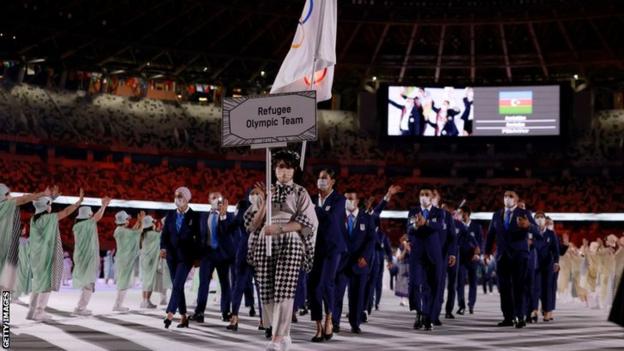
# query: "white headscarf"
[42,204]
[121,217]
[84,212]
[4,190]
[185,192]
[148,222]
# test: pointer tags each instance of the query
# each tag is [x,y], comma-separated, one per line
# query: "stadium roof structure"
[244,42]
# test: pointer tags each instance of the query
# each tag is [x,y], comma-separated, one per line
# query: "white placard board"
[269,120]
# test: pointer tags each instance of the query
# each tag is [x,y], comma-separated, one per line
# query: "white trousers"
[278,316]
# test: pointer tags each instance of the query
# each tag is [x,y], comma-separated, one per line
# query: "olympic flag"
[313,50]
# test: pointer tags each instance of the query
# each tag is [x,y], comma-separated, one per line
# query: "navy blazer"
[512,242]
[376,213]
[329,237]
[184,245]
[448,235]
[226,250]
[547,247]
[361,243]
[467,241]
[382,246]
[425,241]
[240,238]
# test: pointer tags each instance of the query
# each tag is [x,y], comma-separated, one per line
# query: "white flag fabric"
[315,38]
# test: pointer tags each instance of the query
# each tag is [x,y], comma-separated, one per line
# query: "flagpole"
[319,33]
[269,203]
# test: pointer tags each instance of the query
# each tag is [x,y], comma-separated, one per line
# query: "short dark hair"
[350,190]
[291,158]
[329,171]
[465,209]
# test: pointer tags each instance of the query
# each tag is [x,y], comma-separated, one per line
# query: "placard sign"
[269,120]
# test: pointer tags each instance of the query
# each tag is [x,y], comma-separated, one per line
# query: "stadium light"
[484,216]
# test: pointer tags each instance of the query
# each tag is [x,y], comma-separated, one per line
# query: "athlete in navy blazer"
[218,254]
[331,245]
[470,245]
[424,227]
[180,244]
[509,229]
[354,267]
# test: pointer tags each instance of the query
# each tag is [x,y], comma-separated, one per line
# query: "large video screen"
[473,111]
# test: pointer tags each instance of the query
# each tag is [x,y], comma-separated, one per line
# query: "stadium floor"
[575,328]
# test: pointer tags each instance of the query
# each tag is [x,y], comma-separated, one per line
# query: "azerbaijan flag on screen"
[515,102]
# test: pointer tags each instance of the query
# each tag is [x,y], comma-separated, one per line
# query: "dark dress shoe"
[449,316]
[437,322]
[336,329]
[303,312]
[418,322]
[461,311]
[294,318]
[427,325]
[184,323]
[199,318]
[268,332]
[319,337]
[232,327]
[520,324]
[167,322]
[261,327]
[506,323]
[356,330]
[376,307]
[252,312]
[529,319]
[470,310]
[364,317]
[329,336]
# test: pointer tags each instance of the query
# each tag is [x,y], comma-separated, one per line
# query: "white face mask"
[253,199]
[322,184]
[284,175]
[425,201]
[350,205]
[540,221]
[509,202]
[179,202]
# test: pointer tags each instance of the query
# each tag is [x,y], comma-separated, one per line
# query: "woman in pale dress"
[293,236]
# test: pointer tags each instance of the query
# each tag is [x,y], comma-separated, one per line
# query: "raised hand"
[81,196]
[55,191]
[394,189]
[223,207]
[106,201]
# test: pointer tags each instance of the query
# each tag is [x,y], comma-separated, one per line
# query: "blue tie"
[214,243]
[350,223]
[179,221]
[507,219]
[426,213]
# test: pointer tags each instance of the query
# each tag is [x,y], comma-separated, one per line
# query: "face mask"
[425,201]
[179,202]
[350,205]
[322,184]
[509,202]
[214,204]
[253,199]
[284,175]
[541,221]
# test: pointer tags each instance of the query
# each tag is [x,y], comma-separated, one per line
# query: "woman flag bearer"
[293,235]
[86,254]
